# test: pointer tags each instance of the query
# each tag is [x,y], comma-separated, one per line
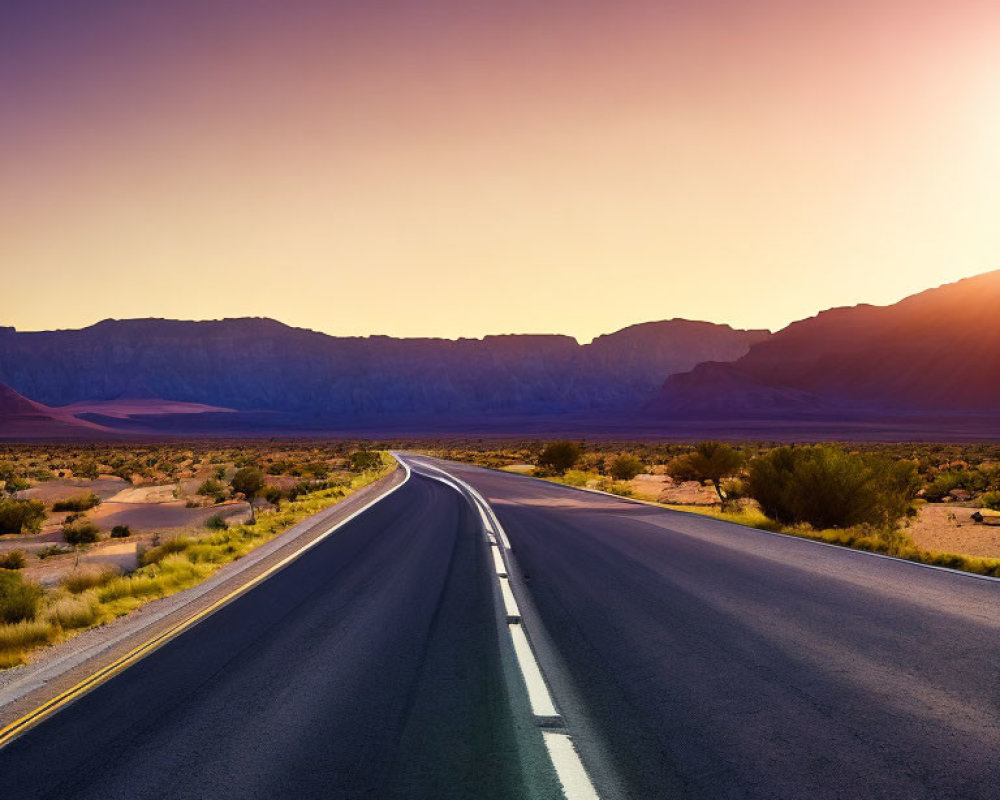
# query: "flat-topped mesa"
[260,364]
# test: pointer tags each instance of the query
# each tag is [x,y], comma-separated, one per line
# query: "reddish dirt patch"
[949,529]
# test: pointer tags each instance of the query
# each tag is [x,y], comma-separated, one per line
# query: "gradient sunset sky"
[463,167]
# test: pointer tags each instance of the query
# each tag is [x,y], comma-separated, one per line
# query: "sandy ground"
[948,529]
[664,490]
[144,494]
[62,489]
[150,511]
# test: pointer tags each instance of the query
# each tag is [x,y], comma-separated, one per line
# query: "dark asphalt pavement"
[713,661]
[690,659]
[368,668]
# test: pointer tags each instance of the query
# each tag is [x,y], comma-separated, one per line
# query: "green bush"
[18,599]
[625,467]
[216,522]
[991,500]
[14,559]
[942,485]
[81,531]
[121,532]
[87,469]
[576,477]
[80,502]
[21,516]
[365,461]
[826,487]
[212,488]
[557,457]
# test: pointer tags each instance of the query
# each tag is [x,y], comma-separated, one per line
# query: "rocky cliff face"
[934,352]
[261,364]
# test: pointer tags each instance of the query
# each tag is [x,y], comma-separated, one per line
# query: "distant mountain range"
[932,355]
[276,375]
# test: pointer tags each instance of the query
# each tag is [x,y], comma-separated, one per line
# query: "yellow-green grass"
[891,542]
[92,597]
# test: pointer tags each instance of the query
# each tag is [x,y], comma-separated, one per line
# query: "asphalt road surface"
[689,658]
[368,668]
[713,661]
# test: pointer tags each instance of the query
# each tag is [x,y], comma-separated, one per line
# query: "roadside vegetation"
[281,483]
[864,496]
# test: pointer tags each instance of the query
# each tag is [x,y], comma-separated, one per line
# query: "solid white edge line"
[573,777]
[538,692]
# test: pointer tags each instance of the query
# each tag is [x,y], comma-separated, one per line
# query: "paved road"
[690,659]
[369,668]
[712,661]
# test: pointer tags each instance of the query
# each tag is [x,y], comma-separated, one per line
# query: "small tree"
[249,481]
[557,457]
[710,461]
[626,467]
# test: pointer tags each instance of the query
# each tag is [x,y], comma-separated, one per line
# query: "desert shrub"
[87,469]
[121,532]
[321,470]
[942,485]
[216,522]
[576,477]
[52,550]
[625,467]
[88,576]
[21,516]
[26,633]
[74,612]
[81,531]
[365,461]
[16,484]
[18,599]
[138,586]
[620,489]
[15,559]
[161,551]
[991,500]
[558,457]
[80,502]
[212,488]
[827,488]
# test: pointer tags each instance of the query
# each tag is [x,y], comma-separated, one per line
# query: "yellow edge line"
[47,709]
